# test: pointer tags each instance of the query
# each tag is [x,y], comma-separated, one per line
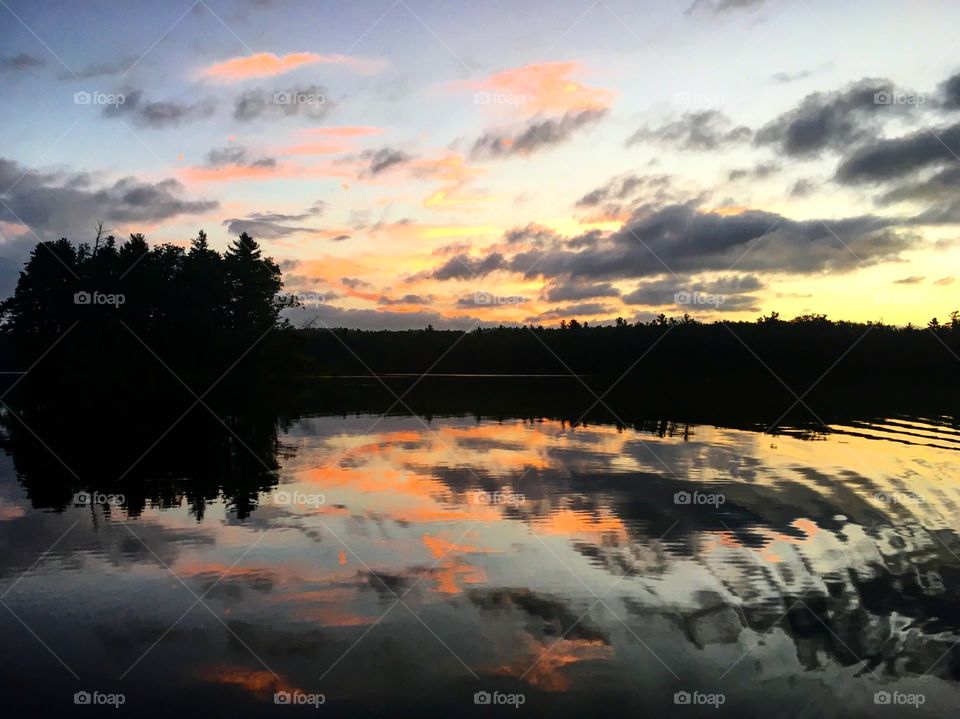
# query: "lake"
[404,565]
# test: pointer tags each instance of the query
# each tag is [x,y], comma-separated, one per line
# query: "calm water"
[398,567]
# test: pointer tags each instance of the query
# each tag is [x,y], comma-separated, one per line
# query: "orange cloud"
[540,87]
[268,64]
[343,131]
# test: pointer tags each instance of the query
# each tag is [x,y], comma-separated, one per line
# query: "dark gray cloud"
[574,291]
[788,77]
[340,238]
[158,114]
[54,204]
[383,159]
[802,187]
[580,309]
[682,239]
[309,101]
[532,234]
[353,283]
[274,225]
[626,186]
[833,120]
[538,133]
[950,92]
[758,172]
[22,62]
[405,300]
[729,294]
[462,267]
[722,6]
[701,130]
[237,155]
[885,160]
[100,69]
[942,185]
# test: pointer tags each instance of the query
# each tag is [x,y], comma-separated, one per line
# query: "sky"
[414,162]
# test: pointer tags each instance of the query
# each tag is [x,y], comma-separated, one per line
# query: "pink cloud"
[544,87]
[268,64]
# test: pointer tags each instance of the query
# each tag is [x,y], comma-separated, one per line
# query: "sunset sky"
[576,159]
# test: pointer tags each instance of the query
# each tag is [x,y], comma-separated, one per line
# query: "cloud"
[536,134]
[759,172]
[462,267]
[406,300]
[722,6]
[274,225]
[308,101]
[100,69]
[23,62]
[950,92]
[581,309]
[539,88]
[572,291]
[383,159]
[684,239]
[54,204]
[943,281]
[885,160]
[268,64]
[354,284]
[159,114]
[702,130]
[726,293]
[913,280]
[624,186]
[833,120]
[788,77]
[236,155]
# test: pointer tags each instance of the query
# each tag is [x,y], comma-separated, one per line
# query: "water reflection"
[398,565]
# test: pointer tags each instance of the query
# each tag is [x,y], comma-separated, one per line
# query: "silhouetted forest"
[680,352]
[109,317]
[127,319]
